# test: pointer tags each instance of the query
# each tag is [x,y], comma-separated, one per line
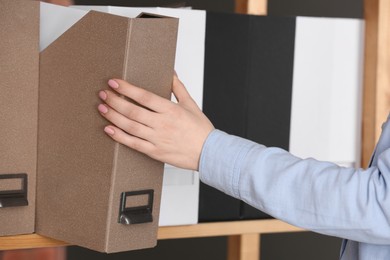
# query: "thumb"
[179,89]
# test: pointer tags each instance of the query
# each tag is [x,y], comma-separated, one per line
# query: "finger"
[133,142]
[127,108]
[179,90]
[139,95]
[130,126]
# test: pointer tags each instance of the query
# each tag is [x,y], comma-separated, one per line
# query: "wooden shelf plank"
[28,241]
[226,229]
[175,232]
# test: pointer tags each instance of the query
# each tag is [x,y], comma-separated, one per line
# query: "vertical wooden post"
[258,7]
[376,93]
[244,247]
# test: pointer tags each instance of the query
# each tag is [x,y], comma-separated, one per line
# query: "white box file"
[327,87]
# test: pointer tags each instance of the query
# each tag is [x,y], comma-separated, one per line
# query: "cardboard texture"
[19,60]
[180,193]
[82,172]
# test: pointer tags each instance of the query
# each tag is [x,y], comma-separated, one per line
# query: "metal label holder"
[14,198]
[138,214]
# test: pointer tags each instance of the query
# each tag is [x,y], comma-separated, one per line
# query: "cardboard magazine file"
[92,191]
[180,192]
[19,60]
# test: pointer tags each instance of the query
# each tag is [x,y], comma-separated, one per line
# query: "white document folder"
[327,87]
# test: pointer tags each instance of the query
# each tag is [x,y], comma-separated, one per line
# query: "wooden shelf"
[226,229]
[232,228]
[244,236]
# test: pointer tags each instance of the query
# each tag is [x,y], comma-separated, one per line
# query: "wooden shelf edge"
[226,229]
[28,241]
[174,232]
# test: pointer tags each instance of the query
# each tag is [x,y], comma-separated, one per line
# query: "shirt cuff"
[221,161]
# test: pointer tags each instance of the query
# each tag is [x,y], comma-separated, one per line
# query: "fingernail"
[109,130]
[103,95]
[112,83]
[102,108]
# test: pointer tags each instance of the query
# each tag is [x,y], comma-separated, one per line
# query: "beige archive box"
[19,61]
[92,191]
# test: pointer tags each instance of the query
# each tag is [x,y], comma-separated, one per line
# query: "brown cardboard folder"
[19,61]
[91,191]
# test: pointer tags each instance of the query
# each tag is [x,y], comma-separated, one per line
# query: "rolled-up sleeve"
[319,196]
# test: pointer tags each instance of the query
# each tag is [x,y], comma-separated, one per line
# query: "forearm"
[315,195]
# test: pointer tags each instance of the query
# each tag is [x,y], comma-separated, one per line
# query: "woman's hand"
[169,132]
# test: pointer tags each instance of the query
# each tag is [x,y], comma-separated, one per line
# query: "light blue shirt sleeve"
[318,196]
